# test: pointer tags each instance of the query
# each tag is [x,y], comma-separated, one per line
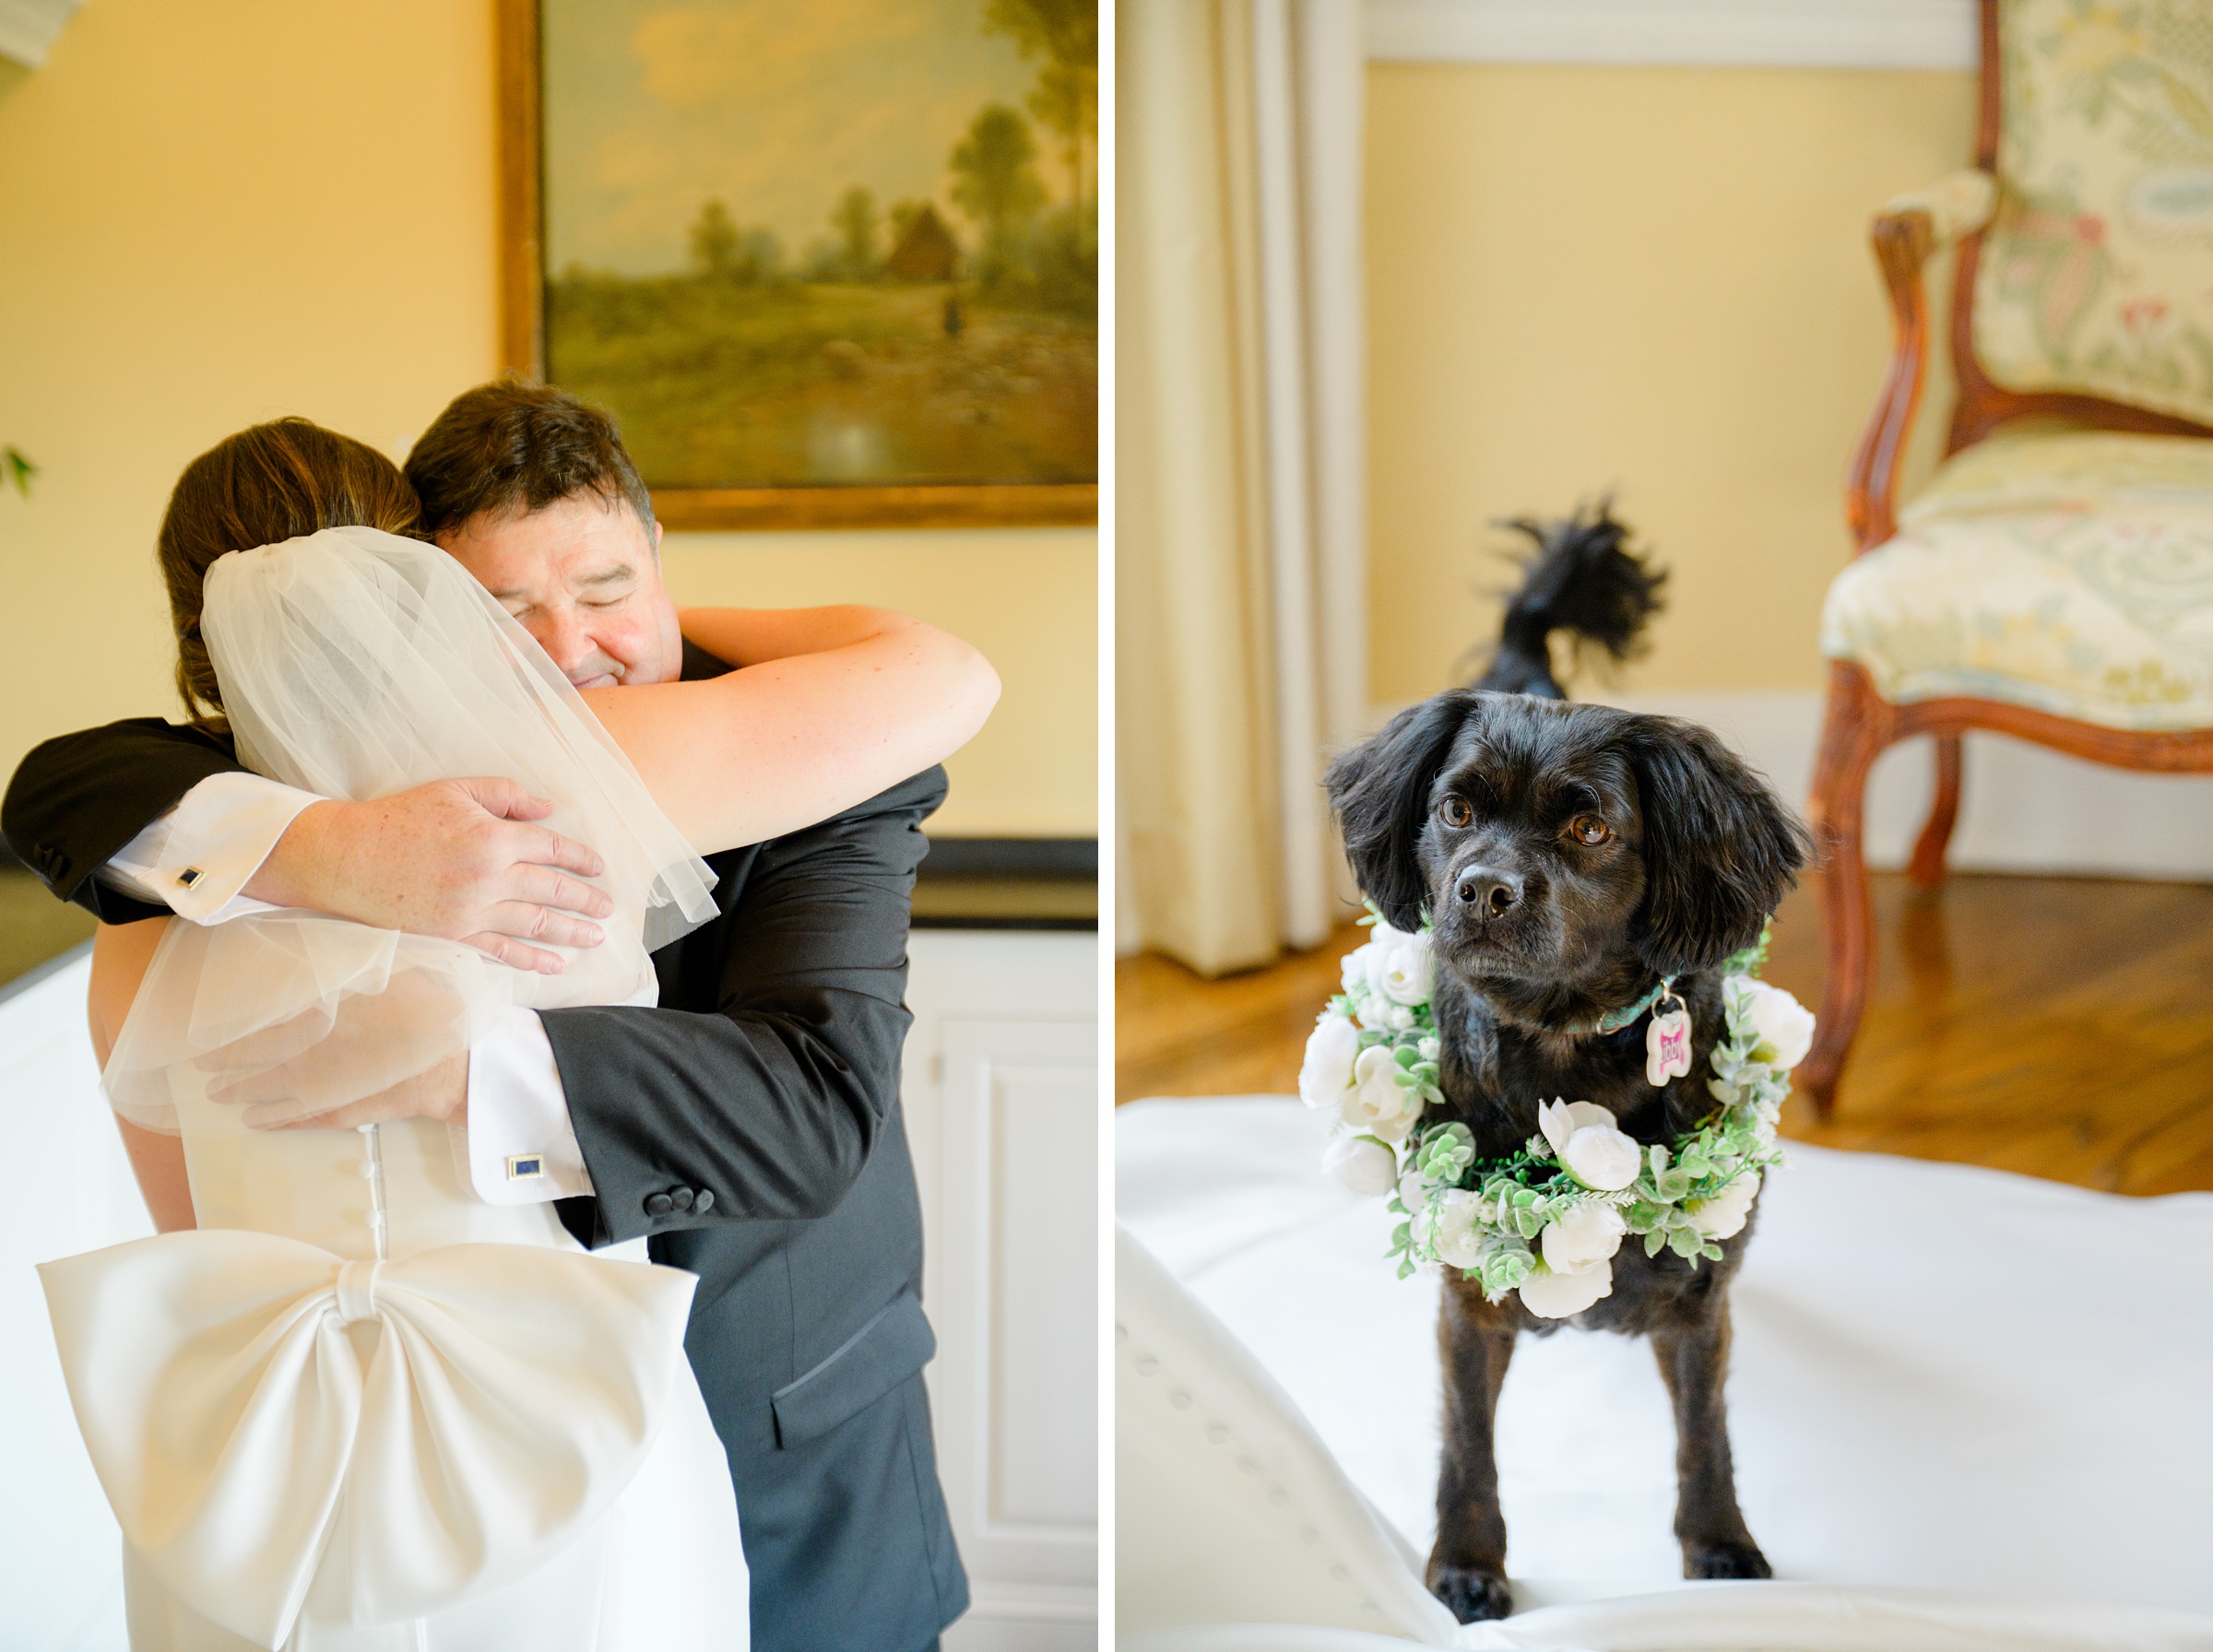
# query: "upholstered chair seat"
[2068,571]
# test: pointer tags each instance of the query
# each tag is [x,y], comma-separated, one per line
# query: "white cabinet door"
[1002,1102]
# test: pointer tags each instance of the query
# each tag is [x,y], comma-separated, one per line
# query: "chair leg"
[1927,867]
[1856,728]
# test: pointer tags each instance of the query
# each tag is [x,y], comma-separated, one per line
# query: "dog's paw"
[1472,1594]
[1725,1557]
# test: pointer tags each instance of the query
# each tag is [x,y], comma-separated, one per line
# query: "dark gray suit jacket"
[769,1078]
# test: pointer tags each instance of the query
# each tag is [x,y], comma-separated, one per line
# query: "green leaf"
[1659,1158]
[1406,1269]
[1685,1242]
[1401,1236]
[1673,1185]
[1712,1253]
[1652,1242]
[1528,1223]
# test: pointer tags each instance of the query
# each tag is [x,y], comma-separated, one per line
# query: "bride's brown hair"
[265,485]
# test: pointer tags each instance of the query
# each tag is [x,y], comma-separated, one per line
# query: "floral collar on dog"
[1547,1220]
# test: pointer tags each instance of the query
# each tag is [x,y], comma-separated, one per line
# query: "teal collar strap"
[1613,1021]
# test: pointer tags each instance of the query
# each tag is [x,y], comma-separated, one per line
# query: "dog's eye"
[1590,831]
[1455,812]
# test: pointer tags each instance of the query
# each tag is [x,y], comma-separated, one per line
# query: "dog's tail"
[1579,579]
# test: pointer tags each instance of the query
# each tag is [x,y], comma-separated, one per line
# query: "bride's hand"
[402,1052]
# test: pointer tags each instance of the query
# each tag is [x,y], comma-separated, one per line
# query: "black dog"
[1569,856]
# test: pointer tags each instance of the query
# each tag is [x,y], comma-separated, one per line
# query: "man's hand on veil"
[457,859]
[372,1058]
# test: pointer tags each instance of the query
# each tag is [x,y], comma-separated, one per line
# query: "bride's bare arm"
[120,956]
[829,706]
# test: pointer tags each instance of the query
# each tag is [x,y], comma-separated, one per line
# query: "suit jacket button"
[659,1204]
[703,1202]
[680,1197]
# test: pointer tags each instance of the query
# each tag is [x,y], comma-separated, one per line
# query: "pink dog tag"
[1667,1046]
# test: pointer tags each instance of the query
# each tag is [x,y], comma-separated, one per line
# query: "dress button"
[680,1197]
[703,1203]
[659,1204]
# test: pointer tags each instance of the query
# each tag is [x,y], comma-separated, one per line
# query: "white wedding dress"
[358,1409]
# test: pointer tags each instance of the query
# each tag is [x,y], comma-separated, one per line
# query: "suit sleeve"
[770,1097]
[77,799]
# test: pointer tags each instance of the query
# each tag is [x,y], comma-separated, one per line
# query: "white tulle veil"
[356,664]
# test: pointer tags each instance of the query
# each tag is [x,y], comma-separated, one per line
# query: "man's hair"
[263,486]
[514,447]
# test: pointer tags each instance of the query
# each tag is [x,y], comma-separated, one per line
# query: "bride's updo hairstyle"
[263,486]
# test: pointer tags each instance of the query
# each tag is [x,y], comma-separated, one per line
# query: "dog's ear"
[1720,848]
[1381,792]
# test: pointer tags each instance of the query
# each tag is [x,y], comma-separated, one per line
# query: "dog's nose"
[1491,893]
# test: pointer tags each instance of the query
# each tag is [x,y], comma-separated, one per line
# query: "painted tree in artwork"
[1065,33]
[855,221]
[714,239]
[995,182]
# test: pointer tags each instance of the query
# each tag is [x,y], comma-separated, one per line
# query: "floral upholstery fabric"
[2097,271]
[2071,571]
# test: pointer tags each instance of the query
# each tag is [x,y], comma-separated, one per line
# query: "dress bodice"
[385,1191]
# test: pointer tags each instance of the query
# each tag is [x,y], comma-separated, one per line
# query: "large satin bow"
[511,1396]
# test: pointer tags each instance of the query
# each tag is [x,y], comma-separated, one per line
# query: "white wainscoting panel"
[66,1187]
[2022,809]
[1835,34]
[1001,1098]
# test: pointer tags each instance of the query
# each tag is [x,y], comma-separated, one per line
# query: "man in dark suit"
[749,1126]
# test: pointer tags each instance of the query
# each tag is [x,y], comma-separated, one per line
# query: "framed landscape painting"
[828,264]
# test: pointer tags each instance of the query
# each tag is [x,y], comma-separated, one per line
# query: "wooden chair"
[2054,580]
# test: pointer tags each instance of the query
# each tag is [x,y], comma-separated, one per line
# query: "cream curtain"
[1239,531]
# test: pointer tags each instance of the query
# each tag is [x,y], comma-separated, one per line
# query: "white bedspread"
[1944,1378]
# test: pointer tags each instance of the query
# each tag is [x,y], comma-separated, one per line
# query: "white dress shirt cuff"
[197,858]
[522,1150]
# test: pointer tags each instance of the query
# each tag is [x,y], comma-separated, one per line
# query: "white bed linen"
[1944,1378]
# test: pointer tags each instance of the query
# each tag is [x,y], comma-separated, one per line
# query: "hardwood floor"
[2059,1027]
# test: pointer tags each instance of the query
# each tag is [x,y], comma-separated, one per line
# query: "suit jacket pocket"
[894,1344]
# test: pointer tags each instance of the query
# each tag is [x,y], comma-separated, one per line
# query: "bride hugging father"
[733,1103]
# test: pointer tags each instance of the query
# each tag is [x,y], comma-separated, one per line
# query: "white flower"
[1379,1104]
[1399,965]
[1723,1216]
[1584,1239]
[1355,970]
[1558,1295]
[1783,1026]
[1328,1072]
[1455,1238]
[1413,1189]
[1596,1154]
[1362,1163]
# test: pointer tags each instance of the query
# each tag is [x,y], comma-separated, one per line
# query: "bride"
[337,1403]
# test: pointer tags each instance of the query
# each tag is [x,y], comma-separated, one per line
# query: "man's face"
[584,577]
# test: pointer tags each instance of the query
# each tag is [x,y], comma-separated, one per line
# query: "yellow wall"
[1653,280]
[1028,598]
[217,213]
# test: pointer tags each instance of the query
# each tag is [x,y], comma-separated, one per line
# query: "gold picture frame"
[522,278]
